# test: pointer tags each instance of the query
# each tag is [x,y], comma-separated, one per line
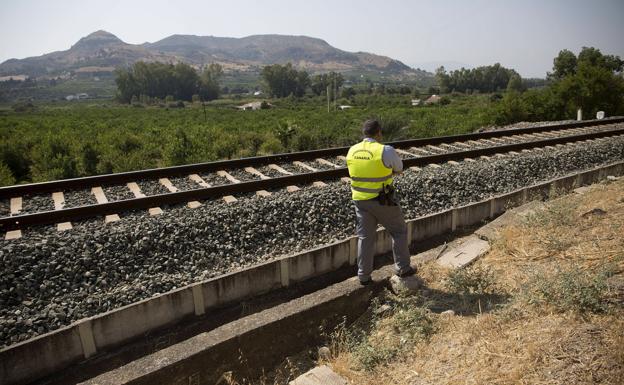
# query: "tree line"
[160,80]
[483,79]
[591,81]
[285,80]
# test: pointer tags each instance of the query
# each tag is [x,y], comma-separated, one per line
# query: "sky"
[524,35]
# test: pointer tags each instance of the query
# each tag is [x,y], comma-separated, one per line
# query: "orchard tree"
[283,80]
[594,82]
[209,88]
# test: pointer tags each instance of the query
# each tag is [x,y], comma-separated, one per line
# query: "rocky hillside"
[102,51]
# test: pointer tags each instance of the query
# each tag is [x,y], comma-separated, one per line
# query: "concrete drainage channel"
[286,327]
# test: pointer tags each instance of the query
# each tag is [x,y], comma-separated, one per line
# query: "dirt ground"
[544,306]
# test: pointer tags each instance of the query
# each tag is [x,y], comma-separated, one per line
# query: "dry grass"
[558,319]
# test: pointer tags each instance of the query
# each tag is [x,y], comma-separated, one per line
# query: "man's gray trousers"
[369,213]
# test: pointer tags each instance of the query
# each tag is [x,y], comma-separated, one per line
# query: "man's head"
[372,129]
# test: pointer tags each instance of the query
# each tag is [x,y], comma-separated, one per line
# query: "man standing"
[371,167]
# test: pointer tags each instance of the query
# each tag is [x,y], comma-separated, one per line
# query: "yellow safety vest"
[367,171]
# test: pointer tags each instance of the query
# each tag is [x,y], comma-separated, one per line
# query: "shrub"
[23,107]
[384,335]
[475,279]
[6,176]
[572,289]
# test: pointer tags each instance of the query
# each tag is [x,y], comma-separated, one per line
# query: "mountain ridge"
[102,49]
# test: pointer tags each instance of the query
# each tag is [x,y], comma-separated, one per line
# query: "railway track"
[63,201]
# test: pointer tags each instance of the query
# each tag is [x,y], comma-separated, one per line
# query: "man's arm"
[392,160]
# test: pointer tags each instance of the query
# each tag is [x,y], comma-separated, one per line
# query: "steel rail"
[124,177]
[74,213]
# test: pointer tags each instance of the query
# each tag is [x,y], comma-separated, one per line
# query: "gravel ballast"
[50,279]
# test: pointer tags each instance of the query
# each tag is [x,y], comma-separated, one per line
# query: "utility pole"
[335,92]
[328,98]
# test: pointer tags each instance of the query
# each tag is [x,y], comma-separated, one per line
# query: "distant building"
[19,78]
[345,107]
[416,102]
[257,93]
[254,106]
[77,96]
[433,99]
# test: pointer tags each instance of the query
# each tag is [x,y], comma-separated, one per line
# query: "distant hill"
[102,52]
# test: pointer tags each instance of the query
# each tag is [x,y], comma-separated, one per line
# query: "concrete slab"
[582,190]
[319,184]
[63,226]
[326,162]
[263,193]
[491,231]
[279,169]
[255,172]
[59,200]
[229,199]
[100,197]
[16,205]
[286,328]
[14,234]
[470,248]
[136,190]
[435,149]
[193,204]
[321,375]
[199,180]
[111,218]
[304,166]
[155,211]
[292,188]
[399,151]
[226,175]
[346,179]
[168,185]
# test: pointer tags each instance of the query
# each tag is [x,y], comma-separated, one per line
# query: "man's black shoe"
[366,282]
[407,273]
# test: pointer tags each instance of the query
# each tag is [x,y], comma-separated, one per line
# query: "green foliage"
[321,82]
[511,109]
[97,138]
[592,81]
[6,176]
[563,65]
[403,324]
[284,80]
[515,84]
[576,290]
[475,279]
[483,79]
[23,106]
[144,81]
[209,82]
[53,158]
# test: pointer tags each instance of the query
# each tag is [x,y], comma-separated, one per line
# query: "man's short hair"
[370,128]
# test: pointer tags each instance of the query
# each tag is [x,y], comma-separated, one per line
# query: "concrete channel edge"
[43,355]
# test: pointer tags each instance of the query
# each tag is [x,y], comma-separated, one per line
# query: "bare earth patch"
[545,306]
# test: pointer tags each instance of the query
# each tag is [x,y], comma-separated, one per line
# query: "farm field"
[72,139]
